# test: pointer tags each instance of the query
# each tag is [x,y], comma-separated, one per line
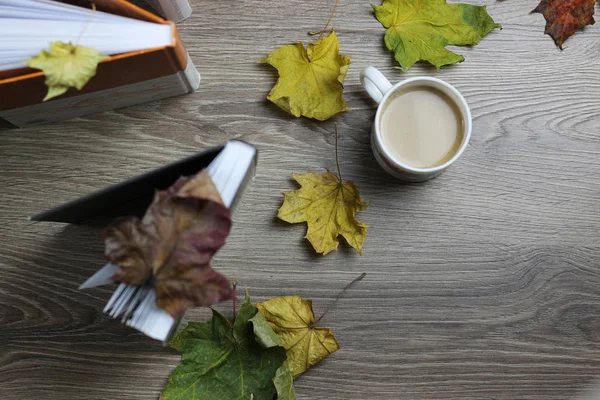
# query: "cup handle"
[375,83]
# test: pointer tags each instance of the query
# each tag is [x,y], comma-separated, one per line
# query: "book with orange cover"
[147,60]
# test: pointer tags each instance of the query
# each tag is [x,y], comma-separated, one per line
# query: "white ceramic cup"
[380,89]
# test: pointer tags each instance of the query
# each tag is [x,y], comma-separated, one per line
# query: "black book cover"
[130,197]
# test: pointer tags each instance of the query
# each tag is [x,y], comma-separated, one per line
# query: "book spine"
[181,61]
[192,76]
[174,10]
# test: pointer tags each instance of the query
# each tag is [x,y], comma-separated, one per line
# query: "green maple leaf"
[421,29]
[266,336]
[284,383]
[223,360]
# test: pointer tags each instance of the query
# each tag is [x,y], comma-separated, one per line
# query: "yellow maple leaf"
[293,319]
[66,66]
[310,80]
[329,207]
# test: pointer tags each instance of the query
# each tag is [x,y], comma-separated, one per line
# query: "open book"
[136,306]
[147,60]
[27,26]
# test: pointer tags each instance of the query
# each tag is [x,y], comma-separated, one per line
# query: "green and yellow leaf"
[223,360]
[420,30]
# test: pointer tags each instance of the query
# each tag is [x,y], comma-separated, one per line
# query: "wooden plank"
[483,283]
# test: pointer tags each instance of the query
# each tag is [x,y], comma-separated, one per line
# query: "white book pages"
[136,305]
[48,9]
[28,26]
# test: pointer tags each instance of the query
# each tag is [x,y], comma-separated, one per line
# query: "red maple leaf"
[565,17]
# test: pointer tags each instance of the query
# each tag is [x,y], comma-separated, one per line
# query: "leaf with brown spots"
[565,17]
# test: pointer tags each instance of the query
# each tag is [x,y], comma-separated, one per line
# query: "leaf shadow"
[304,243]
[345,248]
[7,126]
[278,112]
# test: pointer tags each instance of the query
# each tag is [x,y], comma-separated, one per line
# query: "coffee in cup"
[421,127]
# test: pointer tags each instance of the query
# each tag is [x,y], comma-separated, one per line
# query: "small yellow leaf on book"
[66,66]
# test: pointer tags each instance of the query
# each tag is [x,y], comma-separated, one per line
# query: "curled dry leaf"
[421,30]
[311,81]
[173,244]
[66,66]
[328,206]
[565,17]
[293,319]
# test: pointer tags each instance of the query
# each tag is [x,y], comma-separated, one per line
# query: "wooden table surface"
[481,284]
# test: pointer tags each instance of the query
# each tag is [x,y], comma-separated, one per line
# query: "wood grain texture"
[481,284]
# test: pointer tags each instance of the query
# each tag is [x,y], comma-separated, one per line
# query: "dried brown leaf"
[173,243]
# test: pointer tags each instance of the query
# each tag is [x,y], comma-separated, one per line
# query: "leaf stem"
[337,160]
[234,299]
[322,31]
[342,30]
[340,295]
[86,24]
